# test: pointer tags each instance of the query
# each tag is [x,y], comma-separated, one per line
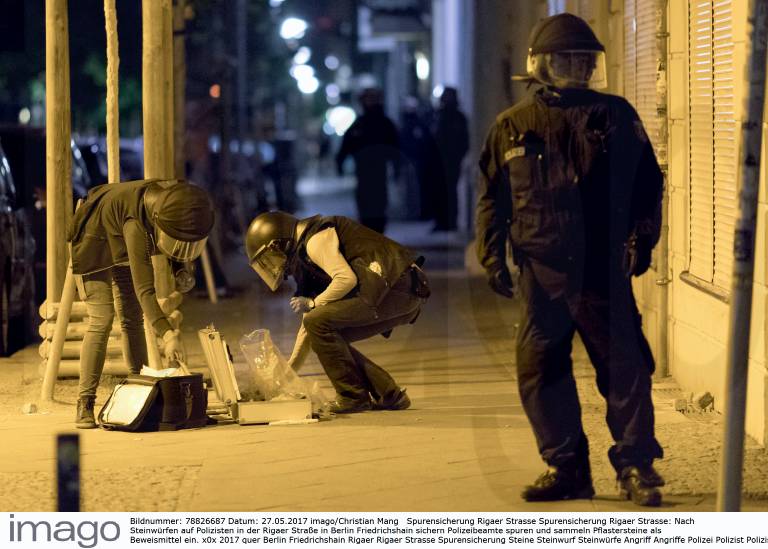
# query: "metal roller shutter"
[640,62]
[645,83]
[724,184]
[630,56]
[712,140]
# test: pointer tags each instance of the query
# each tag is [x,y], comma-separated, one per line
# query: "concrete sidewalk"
[465,445]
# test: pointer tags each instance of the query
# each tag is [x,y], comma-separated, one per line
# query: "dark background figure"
[452,139]
[420,151]
[373,143]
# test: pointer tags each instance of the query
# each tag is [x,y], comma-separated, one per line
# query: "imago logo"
[85,533]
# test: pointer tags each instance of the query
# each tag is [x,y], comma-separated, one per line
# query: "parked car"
[25,150]
[95,159]
[17,256]
[132,159]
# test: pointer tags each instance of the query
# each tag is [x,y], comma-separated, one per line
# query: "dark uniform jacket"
[565,177]
[111,228]
[376,260]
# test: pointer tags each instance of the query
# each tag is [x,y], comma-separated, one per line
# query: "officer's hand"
[172,345]
[500,282]
[643,260]
[302,304]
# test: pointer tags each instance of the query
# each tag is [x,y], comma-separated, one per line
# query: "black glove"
[644,249]
[637,255]
[500,281]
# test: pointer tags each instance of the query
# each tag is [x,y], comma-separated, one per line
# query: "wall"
[699,322]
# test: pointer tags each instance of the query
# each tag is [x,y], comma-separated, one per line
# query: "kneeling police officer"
[352,283]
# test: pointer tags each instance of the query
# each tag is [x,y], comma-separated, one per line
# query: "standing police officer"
[569,179]
[352,283]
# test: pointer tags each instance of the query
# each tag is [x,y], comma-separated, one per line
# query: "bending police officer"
[113,234]
[352,283]
[568,178]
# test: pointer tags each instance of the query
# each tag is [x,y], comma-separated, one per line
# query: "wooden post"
[179,85]
[58,149]
[157,103]
[113,110]
[157,88]
[58,160]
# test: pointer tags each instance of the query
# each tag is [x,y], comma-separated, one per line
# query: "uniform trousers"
[608,322]
[331,328]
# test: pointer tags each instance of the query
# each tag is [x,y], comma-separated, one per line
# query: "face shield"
[179,250]
[569,68]
[270,263]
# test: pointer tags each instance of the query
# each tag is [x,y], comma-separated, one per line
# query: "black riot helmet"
[270,243]
[182,215]
[564,52]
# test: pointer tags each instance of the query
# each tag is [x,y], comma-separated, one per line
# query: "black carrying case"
[173,403]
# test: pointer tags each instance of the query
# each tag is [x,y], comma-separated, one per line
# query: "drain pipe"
[662,269]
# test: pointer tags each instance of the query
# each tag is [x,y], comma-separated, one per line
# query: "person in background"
[373,143]
[352,283]
[420,150]
[569,179]
[452,140]
[113,234]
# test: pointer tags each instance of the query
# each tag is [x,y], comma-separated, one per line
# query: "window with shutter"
[640,62]
[725,162]
[712,140]
[630,57]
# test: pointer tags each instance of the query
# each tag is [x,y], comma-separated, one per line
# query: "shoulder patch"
[514,152]
[375,266]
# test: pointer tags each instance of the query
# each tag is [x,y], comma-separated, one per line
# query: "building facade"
[690,98]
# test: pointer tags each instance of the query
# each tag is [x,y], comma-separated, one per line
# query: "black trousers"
[334,326]
[610,327]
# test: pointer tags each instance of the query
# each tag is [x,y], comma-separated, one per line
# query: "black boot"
[85,418]
[344,405]
[559,483]
[398,400]
[641,483]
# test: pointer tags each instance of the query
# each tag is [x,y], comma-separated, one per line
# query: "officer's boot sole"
[644,497]
[587,492]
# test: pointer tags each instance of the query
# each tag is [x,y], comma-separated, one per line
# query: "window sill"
[707,287]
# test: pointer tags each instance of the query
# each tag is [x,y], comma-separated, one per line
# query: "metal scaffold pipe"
[732,456]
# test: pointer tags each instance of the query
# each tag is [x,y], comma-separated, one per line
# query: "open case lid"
[219,361]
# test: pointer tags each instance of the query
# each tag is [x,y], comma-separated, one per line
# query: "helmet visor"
[178,249]
[570,68]
[270,264]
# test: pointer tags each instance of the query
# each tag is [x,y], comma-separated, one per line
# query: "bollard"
[68,472]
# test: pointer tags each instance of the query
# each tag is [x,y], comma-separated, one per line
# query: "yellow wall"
[698,322]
